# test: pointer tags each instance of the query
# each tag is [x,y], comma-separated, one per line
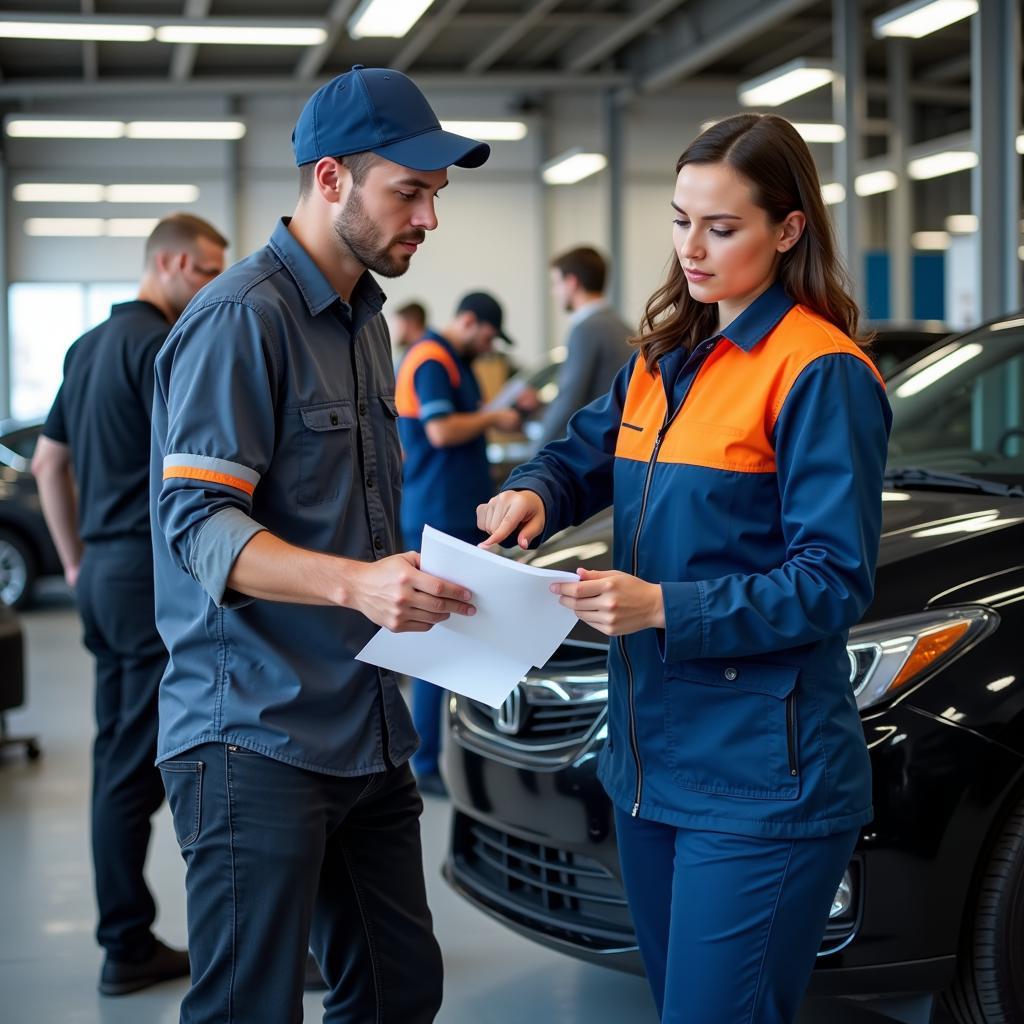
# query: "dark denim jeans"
[280,858]
[115,600]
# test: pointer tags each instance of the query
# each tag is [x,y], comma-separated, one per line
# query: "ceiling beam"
[526,21]
[183,59]
[700,34]
[601,43]
[313,59]
[425,34]
[803,45]
[231,85]
[90,53]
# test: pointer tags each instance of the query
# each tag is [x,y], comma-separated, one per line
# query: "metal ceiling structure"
[637,47]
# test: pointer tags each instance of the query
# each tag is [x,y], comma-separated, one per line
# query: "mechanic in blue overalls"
[742,448]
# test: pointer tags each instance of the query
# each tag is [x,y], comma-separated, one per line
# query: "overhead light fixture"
[922,17]
[572,166]
[52,128]
[824,132]
[930,240]
[213,130]
[130,227]
[875,182]
[833,193]
[151,193]
[64,227]
[85,31]
[391,18]
[1020,144]
[90,227]
[947,162]
[962,223]
[494,131]
[25,128]
[47,192]
[243,35]
[786,82]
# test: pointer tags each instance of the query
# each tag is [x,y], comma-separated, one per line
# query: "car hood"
[913,523]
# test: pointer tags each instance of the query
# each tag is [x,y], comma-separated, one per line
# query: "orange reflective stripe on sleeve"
[193,473]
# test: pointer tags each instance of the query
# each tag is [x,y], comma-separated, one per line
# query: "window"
[44,320]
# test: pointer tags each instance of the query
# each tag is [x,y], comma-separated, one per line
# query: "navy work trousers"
[280,859]
[728,925]
[115,600]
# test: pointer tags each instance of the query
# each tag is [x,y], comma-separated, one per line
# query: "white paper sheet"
[518,623]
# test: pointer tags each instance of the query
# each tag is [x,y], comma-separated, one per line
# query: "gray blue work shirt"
[274,410]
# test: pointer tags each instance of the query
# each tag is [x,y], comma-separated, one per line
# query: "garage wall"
[499,226]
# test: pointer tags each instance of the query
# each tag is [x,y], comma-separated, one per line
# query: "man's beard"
[357,232]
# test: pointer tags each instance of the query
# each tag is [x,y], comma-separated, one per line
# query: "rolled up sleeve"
[217,378]
[831,439]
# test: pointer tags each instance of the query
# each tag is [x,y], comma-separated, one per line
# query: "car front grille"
[567,895]
[547,719]
[561,893]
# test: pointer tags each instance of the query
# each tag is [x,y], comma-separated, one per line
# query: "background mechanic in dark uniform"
[96,442]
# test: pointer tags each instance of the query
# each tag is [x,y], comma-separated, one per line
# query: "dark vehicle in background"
[26,550]
[894,345]
[933,898]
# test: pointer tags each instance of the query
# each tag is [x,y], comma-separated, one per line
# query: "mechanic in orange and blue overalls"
[743,449]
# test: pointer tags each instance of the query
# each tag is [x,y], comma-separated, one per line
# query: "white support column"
[900,207]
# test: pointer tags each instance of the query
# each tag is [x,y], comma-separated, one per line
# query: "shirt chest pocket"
[730,728]
[326,452]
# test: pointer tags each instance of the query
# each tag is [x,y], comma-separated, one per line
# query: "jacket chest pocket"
[730,728]
[325,452]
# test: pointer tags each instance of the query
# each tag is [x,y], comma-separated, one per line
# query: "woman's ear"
[791,230]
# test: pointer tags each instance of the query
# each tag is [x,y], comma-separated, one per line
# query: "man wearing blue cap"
[275,489]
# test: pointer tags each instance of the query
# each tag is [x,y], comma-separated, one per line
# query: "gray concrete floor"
[49,962]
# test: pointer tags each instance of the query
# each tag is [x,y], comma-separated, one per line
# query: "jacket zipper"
[634,743]
[791,733]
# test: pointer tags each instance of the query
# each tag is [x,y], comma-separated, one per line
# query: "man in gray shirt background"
[598,338]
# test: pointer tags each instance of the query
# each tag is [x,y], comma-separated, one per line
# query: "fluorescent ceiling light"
[22,128]
[241,35]
[151,193]
[185,130]
[76,30]
[874,182]
[90,227]
[962,223]
[47,192]
[130,227]
[785,83]
[391,18]
[572,166]
[833,193]
[64,227]
[922,17]
[500,131]
[1020,144]
[930,240]
[947,162]
[810,132]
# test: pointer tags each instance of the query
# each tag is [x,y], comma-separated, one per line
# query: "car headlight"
[886,657]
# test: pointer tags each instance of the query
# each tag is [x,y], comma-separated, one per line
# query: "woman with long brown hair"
[742,448]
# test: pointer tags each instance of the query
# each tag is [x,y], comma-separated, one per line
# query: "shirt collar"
[585,312]
[760,318]
[315,288]
[137,306]
[431,335]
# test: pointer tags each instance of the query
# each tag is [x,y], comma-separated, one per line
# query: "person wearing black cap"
[446,473]
[275,485]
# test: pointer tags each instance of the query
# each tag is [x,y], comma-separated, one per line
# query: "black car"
[933,899]
[26,550]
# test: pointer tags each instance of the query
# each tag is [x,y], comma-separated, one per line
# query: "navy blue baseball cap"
[377,110]
[486,308]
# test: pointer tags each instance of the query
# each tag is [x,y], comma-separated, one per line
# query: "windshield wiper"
[911,477]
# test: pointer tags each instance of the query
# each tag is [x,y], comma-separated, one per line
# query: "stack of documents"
[518,623]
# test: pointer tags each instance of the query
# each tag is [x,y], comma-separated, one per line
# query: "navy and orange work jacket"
[441,486]
[746,479]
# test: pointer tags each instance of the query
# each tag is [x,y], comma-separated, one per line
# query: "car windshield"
[17,446]
[960,408]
